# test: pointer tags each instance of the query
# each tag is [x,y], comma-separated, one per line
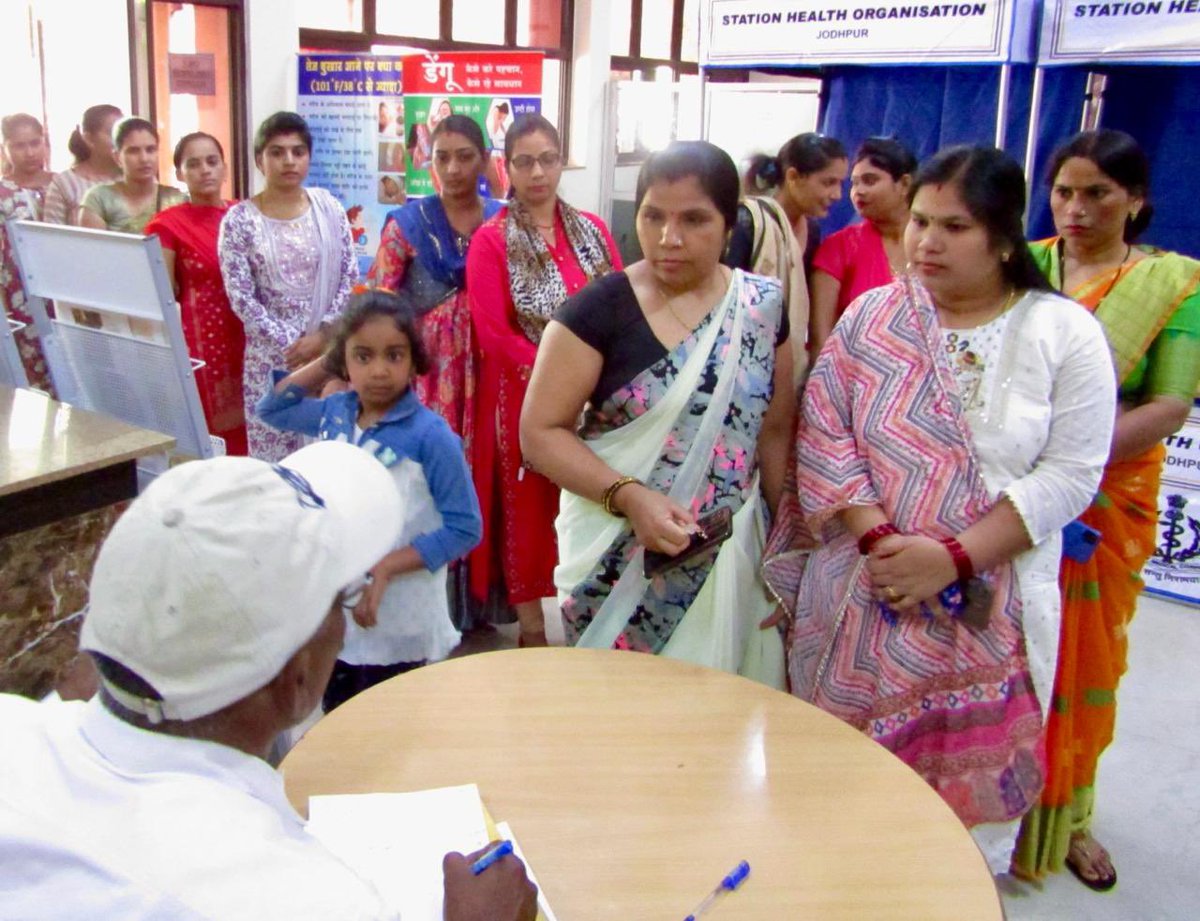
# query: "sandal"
[1084,853]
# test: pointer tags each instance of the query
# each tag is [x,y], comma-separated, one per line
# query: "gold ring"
[891,594]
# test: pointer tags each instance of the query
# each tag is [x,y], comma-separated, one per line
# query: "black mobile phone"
[711,530]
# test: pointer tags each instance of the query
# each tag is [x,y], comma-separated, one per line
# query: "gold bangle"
[611,493]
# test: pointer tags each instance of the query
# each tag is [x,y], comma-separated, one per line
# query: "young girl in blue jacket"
[401,619]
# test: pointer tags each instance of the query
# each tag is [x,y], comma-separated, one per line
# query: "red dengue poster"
[490,87]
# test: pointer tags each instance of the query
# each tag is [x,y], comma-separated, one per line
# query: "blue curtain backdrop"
[933,107]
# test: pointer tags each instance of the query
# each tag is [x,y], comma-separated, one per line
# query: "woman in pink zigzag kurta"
[954,422]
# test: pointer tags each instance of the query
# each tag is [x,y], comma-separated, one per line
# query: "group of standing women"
[484,278]
[961,412]
[257,282]
[904,533]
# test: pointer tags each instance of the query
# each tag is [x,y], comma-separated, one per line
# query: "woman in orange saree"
[1148,302]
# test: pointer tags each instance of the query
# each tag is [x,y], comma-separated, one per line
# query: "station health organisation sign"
[741,33]
[1145,31]
[1174,569]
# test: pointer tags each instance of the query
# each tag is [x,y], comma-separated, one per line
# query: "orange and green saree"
[1150,310]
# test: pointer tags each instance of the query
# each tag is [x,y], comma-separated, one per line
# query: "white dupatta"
[327,219]
[720,629]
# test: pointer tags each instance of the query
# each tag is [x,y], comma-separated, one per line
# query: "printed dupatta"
[328,218]
[679,441]
[534,280]
[1134,310]
[882,423]
[441,259]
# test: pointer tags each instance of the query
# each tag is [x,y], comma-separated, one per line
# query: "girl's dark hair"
[126,127]
[11,123]
[526,125]
[1119,157]
[889,155]
[711,166]
[805,153]
[93,120]
[464,125]
[363,306]
[281,123]
[992,186]
[181,147]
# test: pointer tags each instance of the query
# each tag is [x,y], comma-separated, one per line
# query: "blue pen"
[735,878]
[503,849]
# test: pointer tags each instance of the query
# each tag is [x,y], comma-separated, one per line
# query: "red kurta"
[213,332]
[518,505]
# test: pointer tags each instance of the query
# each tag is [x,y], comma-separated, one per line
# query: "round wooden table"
[634,783]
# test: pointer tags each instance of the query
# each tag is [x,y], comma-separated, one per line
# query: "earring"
[1133,215]
[1004,257]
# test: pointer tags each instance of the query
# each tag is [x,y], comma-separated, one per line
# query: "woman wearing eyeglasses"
[522,265]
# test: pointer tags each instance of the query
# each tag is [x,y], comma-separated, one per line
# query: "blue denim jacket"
[408,430]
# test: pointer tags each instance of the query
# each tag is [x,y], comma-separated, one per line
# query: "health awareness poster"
[491,87]
[355,110]
[1174,568]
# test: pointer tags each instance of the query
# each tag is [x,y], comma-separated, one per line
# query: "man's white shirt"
[100,819]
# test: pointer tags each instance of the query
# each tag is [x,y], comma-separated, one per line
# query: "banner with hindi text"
[490,87]
[355,110]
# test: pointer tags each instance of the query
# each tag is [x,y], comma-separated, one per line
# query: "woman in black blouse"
[682,371]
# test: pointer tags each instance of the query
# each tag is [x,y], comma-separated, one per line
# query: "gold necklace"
[667,304]
[1008,301]
[667,298]
[1004,306]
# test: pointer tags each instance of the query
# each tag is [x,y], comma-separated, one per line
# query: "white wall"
[86,63]
[582,180]
[272,43]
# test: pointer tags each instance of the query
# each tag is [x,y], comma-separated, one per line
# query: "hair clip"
[367,289]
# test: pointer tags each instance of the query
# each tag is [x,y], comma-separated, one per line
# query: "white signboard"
[740,33]
[1174,569]
[1149,31]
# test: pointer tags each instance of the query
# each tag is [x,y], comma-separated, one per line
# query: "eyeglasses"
[351,595]
[548,160]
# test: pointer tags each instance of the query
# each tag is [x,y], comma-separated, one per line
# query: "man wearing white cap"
[215,617]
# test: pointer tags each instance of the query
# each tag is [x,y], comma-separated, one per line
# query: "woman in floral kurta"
[288,264]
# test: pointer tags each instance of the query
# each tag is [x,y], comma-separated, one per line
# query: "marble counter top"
[43,441]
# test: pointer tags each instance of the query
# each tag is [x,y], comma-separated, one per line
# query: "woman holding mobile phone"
[681,368]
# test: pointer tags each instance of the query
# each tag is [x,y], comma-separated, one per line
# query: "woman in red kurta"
[522,265]
[213,332]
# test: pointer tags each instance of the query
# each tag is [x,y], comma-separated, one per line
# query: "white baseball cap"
[222,569]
